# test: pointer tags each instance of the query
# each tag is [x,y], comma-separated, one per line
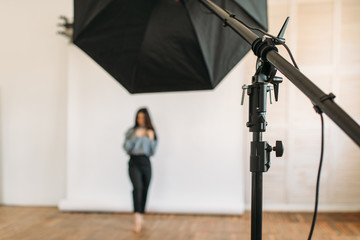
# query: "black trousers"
[140,176]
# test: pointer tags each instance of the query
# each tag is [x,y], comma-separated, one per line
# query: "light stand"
[265,50]
[259,149]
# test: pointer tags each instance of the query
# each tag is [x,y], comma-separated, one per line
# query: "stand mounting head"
[269,71]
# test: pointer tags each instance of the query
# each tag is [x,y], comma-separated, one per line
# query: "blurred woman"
[140,144]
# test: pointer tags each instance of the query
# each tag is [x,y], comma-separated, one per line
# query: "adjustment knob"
[279,148]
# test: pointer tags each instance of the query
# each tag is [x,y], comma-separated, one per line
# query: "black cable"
[318,110]
[291,56]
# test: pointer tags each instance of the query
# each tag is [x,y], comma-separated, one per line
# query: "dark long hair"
[148,123]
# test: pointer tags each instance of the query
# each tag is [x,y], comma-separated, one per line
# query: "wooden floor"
[49,223]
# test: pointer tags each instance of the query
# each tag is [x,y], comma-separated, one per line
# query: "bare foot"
[142,219]
[138,222]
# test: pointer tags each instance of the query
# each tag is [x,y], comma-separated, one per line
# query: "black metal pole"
[256,190]
[256,205]
[259,149]
[319,98]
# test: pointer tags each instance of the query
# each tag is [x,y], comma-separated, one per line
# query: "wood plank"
[49,223]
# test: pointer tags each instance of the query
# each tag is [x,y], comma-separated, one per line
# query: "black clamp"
[231,15]
[329,96]
[261,47]
[324,98]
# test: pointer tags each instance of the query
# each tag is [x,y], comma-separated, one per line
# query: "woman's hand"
[150,134]
[140,132]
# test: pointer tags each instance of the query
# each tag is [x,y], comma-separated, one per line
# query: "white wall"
[198,167]
[33,66]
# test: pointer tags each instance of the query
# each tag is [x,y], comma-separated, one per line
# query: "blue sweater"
[134,145]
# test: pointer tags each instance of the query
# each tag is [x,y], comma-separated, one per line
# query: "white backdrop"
[198,167]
